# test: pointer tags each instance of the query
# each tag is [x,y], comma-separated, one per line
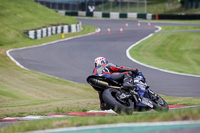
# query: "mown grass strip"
[173,28]
[25,92]
[177,52]
[153,6]
[17,16]
[175,115]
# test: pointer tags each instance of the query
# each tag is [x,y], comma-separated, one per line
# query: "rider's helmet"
[99,61]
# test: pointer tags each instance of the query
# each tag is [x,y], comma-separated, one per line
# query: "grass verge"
[172,28]
[153,6]
[19,15]
[25,92]
[175,115]
[177,52]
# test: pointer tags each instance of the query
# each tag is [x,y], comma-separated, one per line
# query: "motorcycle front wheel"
[110,97]
[160,105]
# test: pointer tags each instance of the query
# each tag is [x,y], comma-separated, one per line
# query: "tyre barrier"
[179,16]
[48,31]
[117,15]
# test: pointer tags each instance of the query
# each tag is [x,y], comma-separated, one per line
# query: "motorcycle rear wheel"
[119,106]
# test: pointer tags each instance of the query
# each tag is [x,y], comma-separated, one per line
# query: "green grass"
[166,7]
[123,8]
[153,6]
[24,92]
[19,15]
[172,28]
[179,52]
[176,115]
[181,100]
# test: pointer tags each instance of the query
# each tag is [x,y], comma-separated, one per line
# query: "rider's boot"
[102,103]
[103,106]
[128,83]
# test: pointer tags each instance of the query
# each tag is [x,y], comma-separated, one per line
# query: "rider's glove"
[135,71]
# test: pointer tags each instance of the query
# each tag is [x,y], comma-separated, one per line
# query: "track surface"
[73,59]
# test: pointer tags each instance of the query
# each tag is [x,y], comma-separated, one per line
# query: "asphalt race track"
[73,59]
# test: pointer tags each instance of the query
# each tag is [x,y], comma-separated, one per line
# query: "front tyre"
[159,104]
[118,105]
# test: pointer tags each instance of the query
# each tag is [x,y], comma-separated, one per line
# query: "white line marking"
[16,62]
[118,125]
[44,44]
[133,45]
[127,52]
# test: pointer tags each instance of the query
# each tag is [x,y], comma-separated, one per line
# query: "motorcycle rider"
[118,73]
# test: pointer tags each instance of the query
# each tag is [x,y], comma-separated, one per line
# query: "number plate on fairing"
[147,102]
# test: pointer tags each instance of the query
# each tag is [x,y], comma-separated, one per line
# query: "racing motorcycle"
[139,98]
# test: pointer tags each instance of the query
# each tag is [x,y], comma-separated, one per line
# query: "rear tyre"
[113,102]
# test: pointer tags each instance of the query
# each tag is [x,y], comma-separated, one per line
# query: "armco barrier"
[179,17]
[44,32]
[114,15]
[148,16]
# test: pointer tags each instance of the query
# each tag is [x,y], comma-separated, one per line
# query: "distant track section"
[72,59]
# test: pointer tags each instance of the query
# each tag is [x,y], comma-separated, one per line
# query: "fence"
[121,6]
[191,4]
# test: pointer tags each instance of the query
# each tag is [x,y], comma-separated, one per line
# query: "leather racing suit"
[118,73]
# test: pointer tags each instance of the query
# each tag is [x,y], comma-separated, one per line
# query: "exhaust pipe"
[98,83]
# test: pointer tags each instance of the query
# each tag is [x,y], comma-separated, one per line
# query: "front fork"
[135,95]
[153,96]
